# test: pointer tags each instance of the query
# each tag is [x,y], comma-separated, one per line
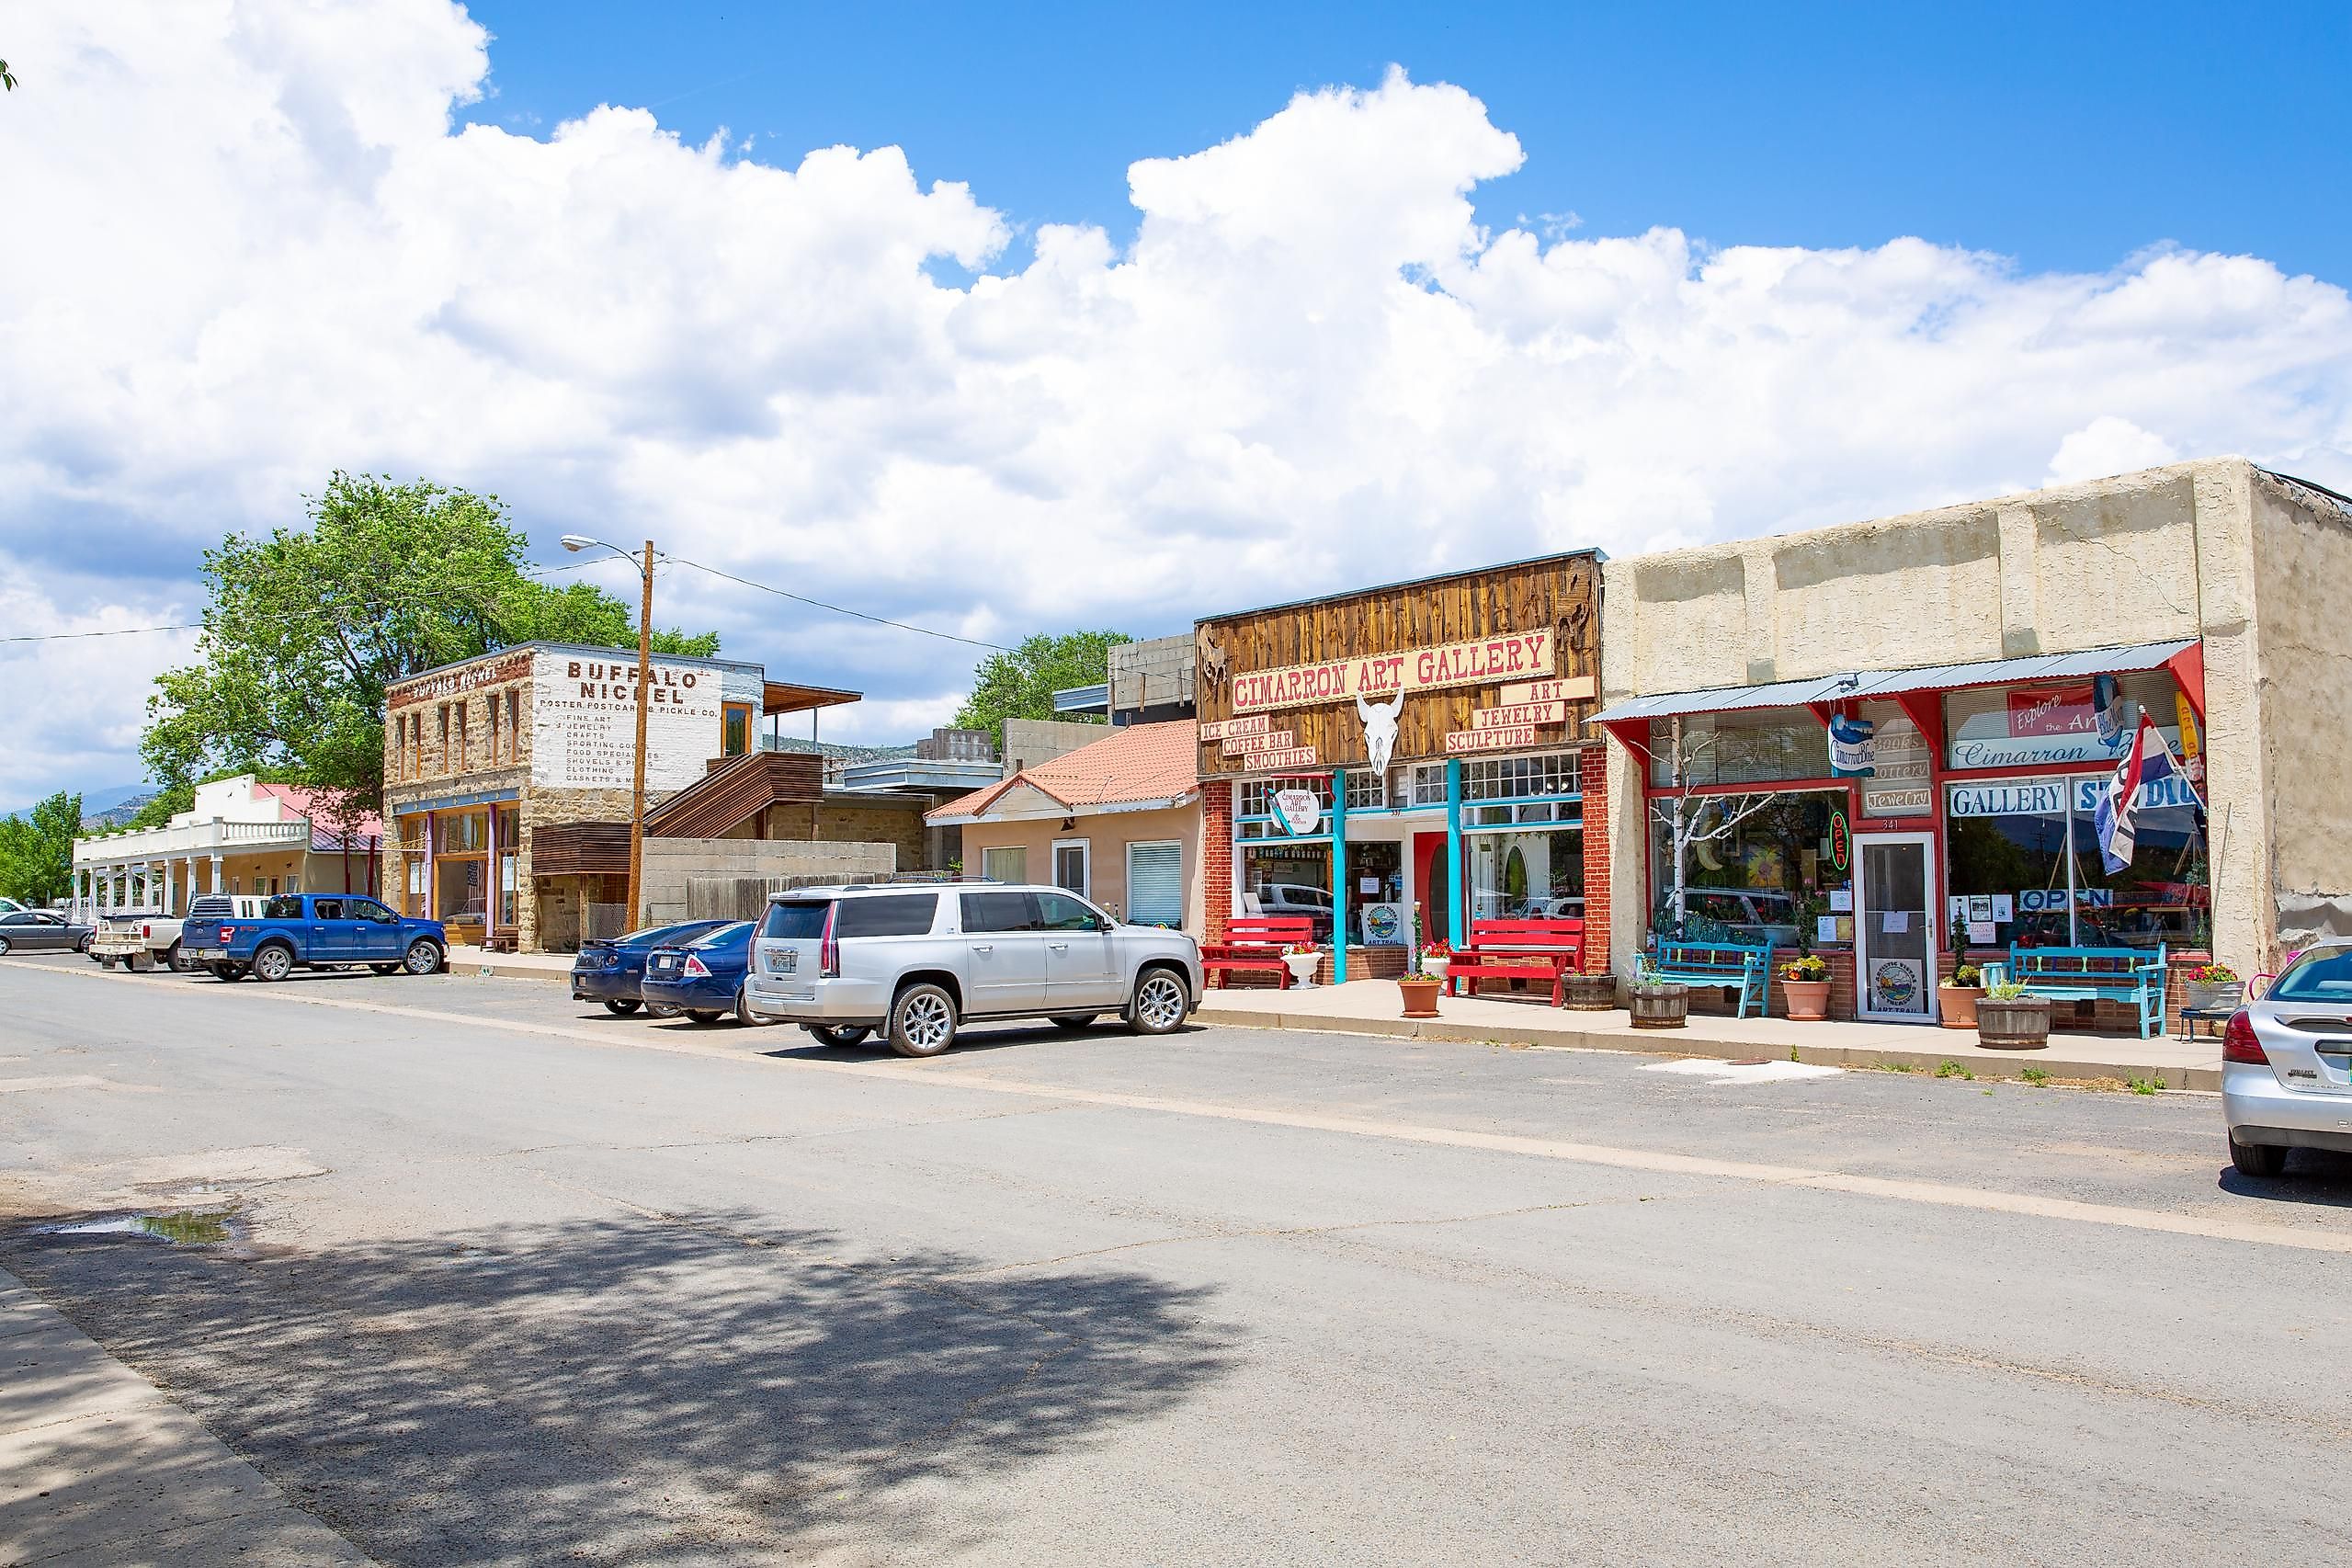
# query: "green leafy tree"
[37,850]
[1021,684]
[6,80]
[307,627]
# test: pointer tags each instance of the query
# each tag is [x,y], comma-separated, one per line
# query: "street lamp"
[575,543]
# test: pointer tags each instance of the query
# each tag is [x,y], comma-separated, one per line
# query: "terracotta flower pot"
[2012,1023]
[1958,1005]
[1808,999]
[1591,992]
[1661,1005]
[1420,995]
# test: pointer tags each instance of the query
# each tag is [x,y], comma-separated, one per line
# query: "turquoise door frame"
[1338,877]
[1453,853]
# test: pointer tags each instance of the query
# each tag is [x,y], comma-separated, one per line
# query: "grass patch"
[1894,1066]
[2037,1077]
[2145,1086]
[1954,1070]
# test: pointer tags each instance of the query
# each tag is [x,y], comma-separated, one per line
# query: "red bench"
[1254,944]
[1518,950]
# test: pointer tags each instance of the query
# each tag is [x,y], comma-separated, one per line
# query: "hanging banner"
[1851,746]
[1298,811]
[2192,747]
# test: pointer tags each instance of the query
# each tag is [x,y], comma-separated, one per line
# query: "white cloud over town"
[250,247]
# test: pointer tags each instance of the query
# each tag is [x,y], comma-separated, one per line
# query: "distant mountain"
[106,807]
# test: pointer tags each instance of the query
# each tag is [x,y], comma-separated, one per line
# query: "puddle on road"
[181,1227]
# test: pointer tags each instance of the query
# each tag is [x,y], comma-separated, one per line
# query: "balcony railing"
[217,836]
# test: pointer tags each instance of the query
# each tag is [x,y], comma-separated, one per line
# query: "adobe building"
[508,780]
[1413,753]
[1993,659]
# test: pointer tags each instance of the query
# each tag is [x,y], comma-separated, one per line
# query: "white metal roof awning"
[2123,660]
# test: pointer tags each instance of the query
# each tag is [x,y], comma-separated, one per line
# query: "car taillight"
[696,969]
[2238,1042]
[829,949]
[145,931]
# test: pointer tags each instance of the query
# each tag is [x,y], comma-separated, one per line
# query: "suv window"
[799,921]
[888,915]
[284,907]
[1063,913]
[985,911]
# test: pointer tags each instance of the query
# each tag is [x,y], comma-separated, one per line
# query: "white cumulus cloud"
[251,247]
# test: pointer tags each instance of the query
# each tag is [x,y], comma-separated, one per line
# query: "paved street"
[510,1280]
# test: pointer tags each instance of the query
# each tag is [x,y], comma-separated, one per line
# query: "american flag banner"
[2146,760]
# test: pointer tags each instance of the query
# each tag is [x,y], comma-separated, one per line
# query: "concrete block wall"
[670,861]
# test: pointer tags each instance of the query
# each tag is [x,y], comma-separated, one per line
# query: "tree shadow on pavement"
[707,1387]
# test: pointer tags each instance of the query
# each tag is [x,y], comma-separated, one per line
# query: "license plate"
[783,961]
[662,966]
[210,953]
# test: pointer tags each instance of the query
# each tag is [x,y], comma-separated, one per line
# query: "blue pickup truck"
[315,930]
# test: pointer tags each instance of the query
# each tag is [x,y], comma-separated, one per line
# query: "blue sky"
[2066,136]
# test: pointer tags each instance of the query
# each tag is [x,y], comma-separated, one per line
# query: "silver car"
[912,963]
[2287,1063]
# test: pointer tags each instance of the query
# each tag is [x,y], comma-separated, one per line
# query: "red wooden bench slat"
[1532,950]
[1254,945]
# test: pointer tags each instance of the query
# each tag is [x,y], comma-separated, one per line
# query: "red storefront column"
[1216,857]
[1592,771]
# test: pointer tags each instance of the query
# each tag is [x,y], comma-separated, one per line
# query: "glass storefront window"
[1771,876]
[2025,866]
[1901,783]
[2090,720]
[1760,746]
[459,890]
[464,832]
[1526,876]
[1520,777]
[1288,880]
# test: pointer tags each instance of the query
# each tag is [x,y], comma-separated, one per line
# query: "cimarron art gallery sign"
[1513,656]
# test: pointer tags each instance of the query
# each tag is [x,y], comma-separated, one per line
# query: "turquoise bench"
[1735,966]
[2094,975]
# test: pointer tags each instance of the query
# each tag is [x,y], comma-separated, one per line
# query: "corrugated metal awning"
[2122,660]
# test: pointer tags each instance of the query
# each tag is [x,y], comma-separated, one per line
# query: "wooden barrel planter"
[2012,1023]
[1664,1005]
[1591,992]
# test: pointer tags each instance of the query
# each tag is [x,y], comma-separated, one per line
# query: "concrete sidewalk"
[97,1467]
[1374,1007]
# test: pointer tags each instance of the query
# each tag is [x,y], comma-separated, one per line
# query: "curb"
[1675,1042]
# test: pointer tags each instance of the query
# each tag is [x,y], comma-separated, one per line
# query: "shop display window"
[2025,866]
[1254,817]
[1761,745]
[1772,875]
[1291,880]
[2087,720]
[1526,875]
[1548,775]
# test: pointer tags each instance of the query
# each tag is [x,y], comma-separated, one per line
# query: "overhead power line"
[842,610]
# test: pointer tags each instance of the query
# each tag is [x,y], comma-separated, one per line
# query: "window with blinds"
[1155,883]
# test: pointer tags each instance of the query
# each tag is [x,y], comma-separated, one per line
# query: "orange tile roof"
[1133,762]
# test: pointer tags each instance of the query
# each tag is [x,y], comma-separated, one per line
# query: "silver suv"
[913,963]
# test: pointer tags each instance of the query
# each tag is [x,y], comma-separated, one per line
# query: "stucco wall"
[2164,554]
[1107,834]
[669,862]
[2302,572]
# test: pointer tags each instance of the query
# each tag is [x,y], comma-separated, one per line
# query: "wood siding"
[1559,593]
[736,791]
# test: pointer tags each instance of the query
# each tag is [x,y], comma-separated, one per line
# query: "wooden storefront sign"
[1233,729]
[1276,761]
[1507,739]
[1575,689]
[1519,715]
[1263,740]
[1482,662]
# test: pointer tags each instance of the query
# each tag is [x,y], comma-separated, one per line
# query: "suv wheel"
[273,960]
[422,958]
[181,962]
[1161,1002]
[923,1021]
[1073,1021]
[842,1035]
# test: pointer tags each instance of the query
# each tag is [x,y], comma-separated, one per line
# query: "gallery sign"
[1567,688]
[1298,811]
[1513,656]
[1502,738]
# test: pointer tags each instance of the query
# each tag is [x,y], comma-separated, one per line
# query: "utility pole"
[644,698]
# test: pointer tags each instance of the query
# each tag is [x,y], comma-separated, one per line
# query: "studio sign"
[1514,657]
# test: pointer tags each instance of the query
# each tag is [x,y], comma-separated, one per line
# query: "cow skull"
[1380,728]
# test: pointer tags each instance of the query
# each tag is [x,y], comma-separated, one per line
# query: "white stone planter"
[1303,967]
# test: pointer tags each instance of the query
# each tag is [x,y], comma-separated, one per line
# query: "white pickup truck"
[144,939]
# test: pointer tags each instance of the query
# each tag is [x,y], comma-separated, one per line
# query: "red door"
[1431,891]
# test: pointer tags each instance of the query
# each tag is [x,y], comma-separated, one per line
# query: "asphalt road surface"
[513,1281]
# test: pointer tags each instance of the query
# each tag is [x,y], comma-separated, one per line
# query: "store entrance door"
[1432,894]
[1894,935]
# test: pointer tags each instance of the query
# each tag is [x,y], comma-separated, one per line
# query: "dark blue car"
[702,978]
[610,970]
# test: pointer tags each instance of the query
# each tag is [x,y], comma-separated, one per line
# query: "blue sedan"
[610,970]
[702,978]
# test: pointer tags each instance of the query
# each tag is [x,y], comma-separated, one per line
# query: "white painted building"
[242,836]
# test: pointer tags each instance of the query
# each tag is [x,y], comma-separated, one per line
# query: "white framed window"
[1007,865]
[1156,883]
[1074,865]
[1428,783]
[1367,791]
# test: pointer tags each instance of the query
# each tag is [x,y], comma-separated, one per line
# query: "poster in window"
[1898,985]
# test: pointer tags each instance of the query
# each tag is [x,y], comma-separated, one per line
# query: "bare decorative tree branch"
[1698,819]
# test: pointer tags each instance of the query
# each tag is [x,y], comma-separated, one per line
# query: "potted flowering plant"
[1434,959]
[1425,971]
[2214,985]
[1958,996]
[1805,982]
[1303,959]
[1659,1002]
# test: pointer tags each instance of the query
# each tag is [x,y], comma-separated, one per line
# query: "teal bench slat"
[1733,965]
[2094,974]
